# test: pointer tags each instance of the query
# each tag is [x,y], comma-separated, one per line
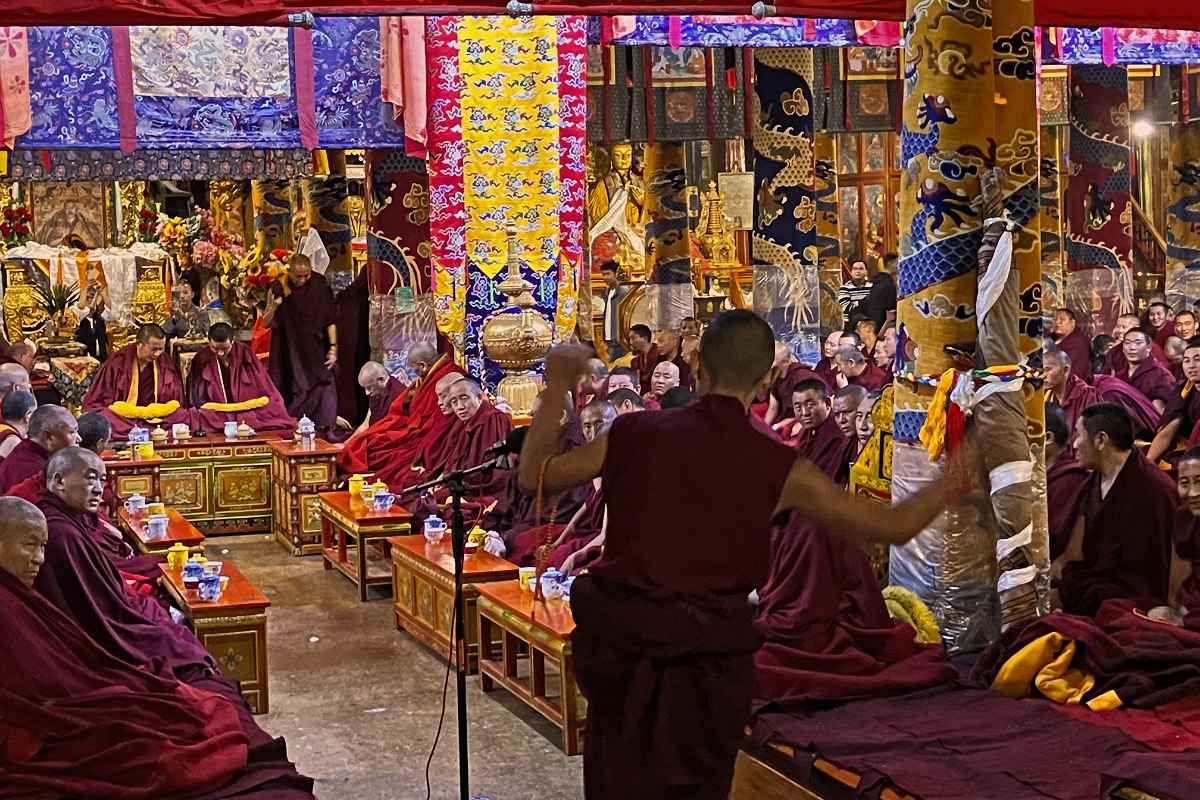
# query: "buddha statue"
[617,202]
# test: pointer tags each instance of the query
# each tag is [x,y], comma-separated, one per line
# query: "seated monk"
[1114,357]
[1179,417]
[678,397]
[1144,373]
[228,383]
[1071,340]
[1186,570]
[94,725]
[626,378]
[844,410]
[138,386]
[51,428]
[787,372]
[17,408]
[816,434]
[1120,543]
[664,378]
[22,353]
[1065,479]
[593,384]
[80,581]
[13,376]
[626,401]
[390,444]
[645,353]
[381,390]
[670,347]
[827,633]
[1073,394]
[1173,350]
[435,446]
[854,368]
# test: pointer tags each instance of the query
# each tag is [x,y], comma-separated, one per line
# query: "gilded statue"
[617,202]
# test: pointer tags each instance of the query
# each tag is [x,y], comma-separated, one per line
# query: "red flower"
[279,253]
[5,230]
[22,229]
[10,213]
[146,213]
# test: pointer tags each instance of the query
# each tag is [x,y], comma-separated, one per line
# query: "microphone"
[509,446]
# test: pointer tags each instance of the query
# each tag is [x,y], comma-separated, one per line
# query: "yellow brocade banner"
[510,104]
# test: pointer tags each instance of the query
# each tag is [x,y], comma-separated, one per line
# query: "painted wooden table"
[513,626]
[136,531]
[423,591]
[129,475]
[298,476]
[349,528]
[233,630]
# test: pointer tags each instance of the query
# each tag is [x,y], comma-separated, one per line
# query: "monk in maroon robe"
[821,439]
[381,390]
[227,382]
[1120,543]
[645,354]
[138,387]
[1178,421]
[1073,394]
[1066,479]
[1144,373]
[664,641]
[1157,321]
[1071,340]
[18,407]
[300,312]
[51,428]
[827,633]
[1114,360]
[789,374]
[391,443]
[856,369]
[435,444]
[1187,540]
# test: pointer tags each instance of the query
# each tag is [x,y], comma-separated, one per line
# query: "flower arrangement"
[252,274]
[204,254]
[172,234]
[147,229]
[16,226]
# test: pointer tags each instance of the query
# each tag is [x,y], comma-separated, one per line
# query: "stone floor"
[358,701]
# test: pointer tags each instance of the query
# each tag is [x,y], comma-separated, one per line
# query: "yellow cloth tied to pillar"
[1045,663]
[933,432]
[245,405]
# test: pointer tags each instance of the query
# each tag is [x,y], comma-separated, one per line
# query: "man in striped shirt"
[853,292]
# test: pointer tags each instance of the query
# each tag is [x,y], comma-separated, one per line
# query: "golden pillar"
[132,198]
[1183,217]
[227,201]
[327,210]
[1054,286]
[669,288]
[829,241]
[272,203]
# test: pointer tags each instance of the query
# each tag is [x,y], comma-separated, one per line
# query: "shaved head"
[845,408]
[53,427]
[442,389]
[464,398]
[373,378]
[22,539]
[421,357]
[76,476]
[596,418]
[23,353]
[664,378]
[736,351]
[18,405]
[13,376]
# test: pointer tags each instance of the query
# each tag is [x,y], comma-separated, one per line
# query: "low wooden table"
[128,476]
[512,623]
[233,630]
[423,591]
[298,476]
[178,530]
[349,524]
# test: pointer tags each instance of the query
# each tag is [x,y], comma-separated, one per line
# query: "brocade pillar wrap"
[328,213]
[784,249]
[669,288]
[947,127]
[1099,213]
[1051,192]
[829,241]
[1013,422]
[272,214]
[1183,217]
[227,200]
[398,255]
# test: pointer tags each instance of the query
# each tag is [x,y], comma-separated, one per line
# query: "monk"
[664,378]
[95,434]
[300,313]
[138,386]
[13,376]
[592,384]
[825,366]
[664,641]
[645,353]
[864,423]
[23,353]
[1065,479]
[1071,340]
[1144,373]
[1070,392]
[788,373]
[1187,541]
[435,446]
[57,688]
[82,583]
[228,383]
[885,352]
[1120,541]
[381,390]
[623,378]
[626,401]
[854,369]
[51,428]
[1173,350]
[1158,321]
[844,408]
[390,443]
[1114,358]
[820,439]
[1178,420]
[17,408]
[670,348]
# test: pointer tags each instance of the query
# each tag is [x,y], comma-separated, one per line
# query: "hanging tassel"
[675,30]
[710,100]
[1108,46]
[648,92]
[730,61]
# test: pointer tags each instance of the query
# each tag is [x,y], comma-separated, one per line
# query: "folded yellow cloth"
[1045,664]
[245,405]
[154,411]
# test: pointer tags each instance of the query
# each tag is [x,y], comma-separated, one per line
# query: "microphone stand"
[455,482]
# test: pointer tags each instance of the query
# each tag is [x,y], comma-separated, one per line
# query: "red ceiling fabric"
[1181,14]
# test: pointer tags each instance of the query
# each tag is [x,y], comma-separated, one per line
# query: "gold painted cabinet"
[298,476]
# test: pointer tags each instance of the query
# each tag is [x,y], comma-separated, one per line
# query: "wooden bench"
[514,627]
[423,591]
[233,630]
[298,476]
[348,524]
[136,531]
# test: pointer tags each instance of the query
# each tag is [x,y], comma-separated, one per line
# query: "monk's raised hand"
[565,363]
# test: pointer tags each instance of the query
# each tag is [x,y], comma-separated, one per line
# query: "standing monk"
[300,313]
[664,642]
[228,382]
[138,386]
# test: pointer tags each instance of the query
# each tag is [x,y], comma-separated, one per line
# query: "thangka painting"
[681,66]
[62,210]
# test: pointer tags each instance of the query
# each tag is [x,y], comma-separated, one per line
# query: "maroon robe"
[785,385]
[1142,413]
[1077,346]
[587,527]
[664,640]
[829,450]
[236,379]
[1162,334]
[1066,481]
[1176,371]
[431,457]
[467,449]
[686,379]
[872,378]
[80,722]
[27,459]
[828,635]
[1185,407]
[111,384]
[1115,362]
[827,371]
[1126,540]
[644,364]
[299,346]
[379,403]
[1187,547]
[7,432]
[1151,379]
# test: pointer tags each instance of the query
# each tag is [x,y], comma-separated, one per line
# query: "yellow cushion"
[154,411]
[245,405]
